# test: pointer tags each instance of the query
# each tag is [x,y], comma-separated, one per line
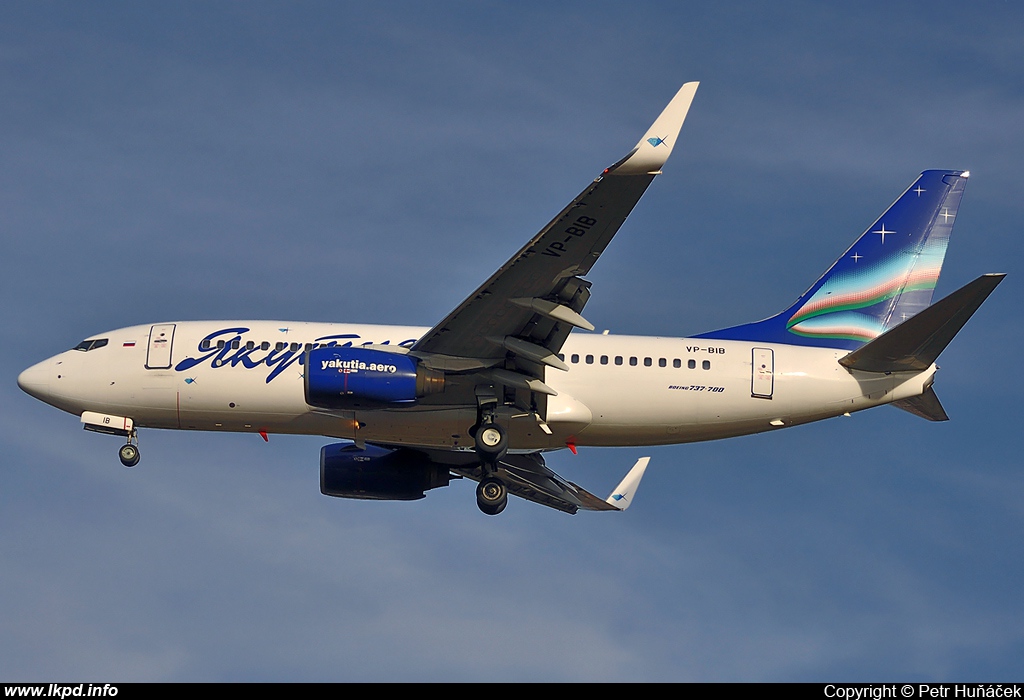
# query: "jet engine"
[345,378]
[377,473]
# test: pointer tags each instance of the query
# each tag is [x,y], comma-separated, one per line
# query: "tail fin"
[884,278]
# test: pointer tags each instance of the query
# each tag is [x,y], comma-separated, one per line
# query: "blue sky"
[339,162]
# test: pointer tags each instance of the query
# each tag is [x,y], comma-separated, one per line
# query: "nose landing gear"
[129,453]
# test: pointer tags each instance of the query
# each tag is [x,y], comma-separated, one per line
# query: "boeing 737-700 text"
[502,379]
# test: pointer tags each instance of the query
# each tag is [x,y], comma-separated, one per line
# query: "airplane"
[502,379]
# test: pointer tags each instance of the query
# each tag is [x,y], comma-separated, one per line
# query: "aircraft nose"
[35,381]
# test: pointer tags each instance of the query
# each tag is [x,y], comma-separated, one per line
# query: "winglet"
[655,147]
[623,494]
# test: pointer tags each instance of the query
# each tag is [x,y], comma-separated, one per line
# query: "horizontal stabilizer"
[916,343]
[926,406]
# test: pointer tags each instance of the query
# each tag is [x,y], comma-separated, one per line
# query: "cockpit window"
[87,345]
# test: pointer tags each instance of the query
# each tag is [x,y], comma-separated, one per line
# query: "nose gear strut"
[129,452]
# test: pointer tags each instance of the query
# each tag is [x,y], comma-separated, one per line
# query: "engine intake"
[357,378]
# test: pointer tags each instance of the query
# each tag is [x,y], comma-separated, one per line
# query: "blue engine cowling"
[377,473]
[358,377]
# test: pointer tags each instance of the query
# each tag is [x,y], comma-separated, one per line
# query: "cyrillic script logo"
[234,354]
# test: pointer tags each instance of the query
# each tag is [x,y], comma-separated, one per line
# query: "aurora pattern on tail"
[887,276]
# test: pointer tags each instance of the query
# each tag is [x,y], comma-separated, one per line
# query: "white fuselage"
[619,390]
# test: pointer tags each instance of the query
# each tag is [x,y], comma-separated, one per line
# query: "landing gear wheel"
[491,495]
[129,455]
[491,442]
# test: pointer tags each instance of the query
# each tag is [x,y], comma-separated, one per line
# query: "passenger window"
[590,359]
[604,359]
[618,359]
[647,362]
[265,345]
[677,363]
[692,364]
[220,344]
[250,345]
[561,356]
[632,362]
[575,358]
[280,346]
[205,345]
[662,362]
[294,347]
[235,343]
[309,346]
[706,364]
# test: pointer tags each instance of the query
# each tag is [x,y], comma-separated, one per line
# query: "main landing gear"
[129,453]
[491,442]
[491,495]
[491,445]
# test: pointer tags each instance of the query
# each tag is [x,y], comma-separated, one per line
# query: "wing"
[517,321]
[527,476]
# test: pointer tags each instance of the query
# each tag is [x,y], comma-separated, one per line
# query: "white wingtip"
[623,494]
[656,146]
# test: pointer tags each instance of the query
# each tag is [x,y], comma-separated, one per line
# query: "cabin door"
[161,340]
[762,380]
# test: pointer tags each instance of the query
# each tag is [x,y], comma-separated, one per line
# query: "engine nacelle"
[377,473]
[357,377]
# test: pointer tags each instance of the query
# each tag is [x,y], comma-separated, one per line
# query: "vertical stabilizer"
[887,276]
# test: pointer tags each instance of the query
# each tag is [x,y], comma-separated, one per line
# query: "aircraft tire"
[491,442]
[491,496]
[129,455]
